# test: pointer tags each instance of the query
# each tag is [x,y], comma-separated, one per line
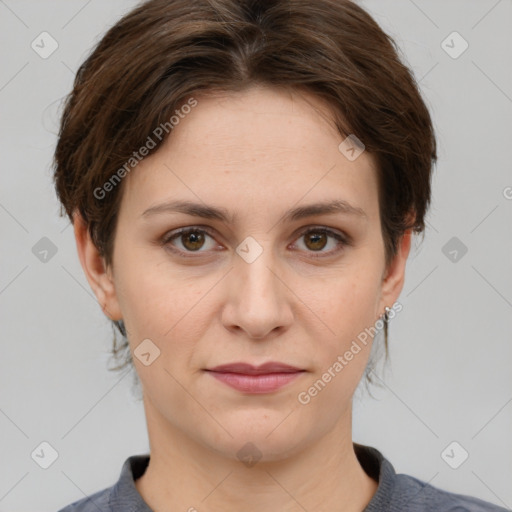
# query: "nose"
[259,298]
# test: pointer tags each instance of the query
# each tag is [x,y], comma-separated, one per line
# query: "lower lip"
[255,383]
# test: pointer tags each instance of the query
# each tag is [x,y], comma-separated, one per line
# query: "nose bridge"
[258,303]
[256,259]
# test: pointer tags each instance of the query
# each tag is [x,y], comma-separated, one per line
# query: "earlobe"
[96,272]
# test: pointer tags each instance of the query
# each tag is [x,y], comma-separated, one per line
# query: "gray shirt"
[395,492]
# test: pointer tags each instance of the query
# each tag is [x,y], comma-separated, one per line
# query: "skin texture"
[256,153]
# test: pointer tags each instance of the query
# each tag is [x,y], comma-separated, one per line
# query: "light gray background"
[450,376]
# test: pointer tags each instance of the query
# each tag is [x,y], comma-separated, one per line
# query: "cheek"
[342,358]
[348,310]
[167,308]
[348,303]
[151,297]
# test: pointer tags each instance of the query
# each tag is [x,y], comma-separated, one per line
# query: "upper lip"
[249,369]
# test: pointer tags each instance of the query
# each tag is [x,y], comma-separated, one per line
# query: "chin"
[263,441]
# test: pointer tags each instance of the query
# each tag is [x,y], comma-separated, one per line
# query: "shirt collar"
[380,469]
[125,497]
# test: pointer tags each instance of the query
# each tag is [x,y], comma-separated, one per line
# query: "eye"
[191,239]
[317,238]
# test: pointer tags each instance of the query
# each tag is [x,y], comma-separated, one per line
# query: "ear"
[394,275]
[99,277]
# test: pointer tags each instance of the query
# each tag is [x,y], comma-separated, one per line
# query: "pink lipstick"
[255,379]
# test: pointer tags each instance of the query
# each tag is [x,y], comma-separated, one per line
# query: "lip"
[249,369]
[247,378]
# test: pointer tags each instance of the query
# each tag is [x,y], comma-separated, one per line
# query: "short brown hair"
[158,55]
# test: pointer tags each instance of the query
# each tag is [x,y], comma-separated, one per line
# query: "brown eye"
[189,240]
[193,240]
[315,241]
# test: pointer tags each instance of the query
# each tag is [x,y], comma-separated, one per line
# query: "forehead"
[257,147]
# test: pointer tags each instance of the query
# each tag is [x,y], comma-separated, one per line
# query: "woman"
[244,179]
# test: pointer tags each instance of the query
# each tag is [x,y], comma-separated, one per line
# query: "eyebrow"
[205,211]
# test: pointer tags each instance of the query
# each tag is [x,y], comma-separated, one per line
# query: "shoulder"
[121,496]
[413,495]
[97,502]
[398,492]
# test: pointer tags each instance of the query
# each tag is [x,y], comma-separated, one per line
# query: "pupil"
[196,238]
[316,238]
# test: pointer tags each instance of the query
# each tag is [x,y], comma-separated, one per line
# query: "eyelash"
[344,240]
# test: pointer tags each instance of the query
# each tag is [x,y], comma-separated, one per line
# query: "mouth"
[248,378]
[249,369]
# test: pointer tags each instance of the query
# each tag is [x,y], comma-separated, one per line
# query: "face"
[255,284]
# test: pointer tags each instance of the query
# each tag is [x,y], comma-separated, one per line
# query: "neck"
[185,475]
